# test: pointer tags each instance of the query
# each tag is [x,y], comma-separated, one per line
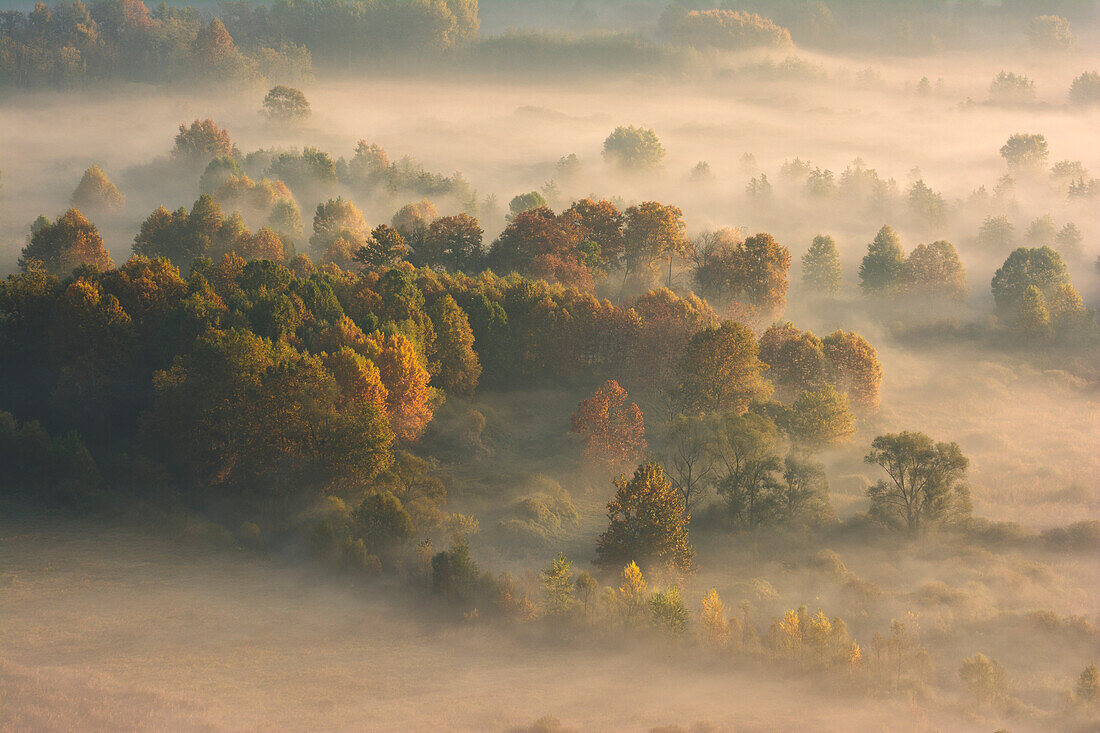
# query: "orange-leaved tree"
[613,429]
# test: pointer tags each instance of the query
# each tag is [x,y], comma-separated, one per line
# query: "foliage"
[201,141]
[612,430]
[668,611]
[725,29]
[1042,268]
[286,104]
[96,191]
[62,246]
[719,371]
[1025,152]
[754,270]
[924,485]
[633,148]
[647,523]
[934,271]
[557,587]
[821,271]
[1085,89]
[984,678]
[881,268]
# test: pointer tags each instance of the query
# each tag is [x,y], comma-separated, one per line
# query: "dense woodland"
[581,414]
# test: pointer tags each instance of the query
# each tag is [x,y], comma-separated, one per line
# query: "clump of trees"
[286,104]
[720,28]
[96,192]
[932,271]
[61,246]
[633,148]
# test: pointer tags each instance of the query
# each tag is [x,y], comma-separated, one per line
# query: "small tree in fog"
[821,271]
[805,493]
[1087,692]
[96,191]
[1085,89]
[1041,267]
[690,456]
[924,481]
[61,246]
[633,149]
[613,429]
[1025,152]
[1032,320]
[557,587]
[586,585]
[647,523]
[997,234]
[934,271]
[984,679]
[715,625]
[286,104]
[1050,33]
[1011,88]
[525,202]
[668,611]
[201,141]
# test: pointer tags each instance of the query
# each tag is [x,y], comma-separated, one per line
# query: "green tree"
[382,522]
[384,247]
[647,523]
[804,496]
[633,149]
[689,454]
[557,587]
[459,366]
[1087,691]
[1085,89]
[996,234]
[1033,320]
[668,611]
[525,202]
[817,419]
[880,271]
[924,485]
[1025,152]
[286,104]
[821,273]
[1040,267]
[749,466]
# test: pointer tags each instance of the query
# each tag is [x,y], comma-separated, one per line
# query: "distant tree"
[612,429]
[586,585]
[755,270]
[818,418]
[525,202]
[95,191]
[1010,88]
[412,221]
[853,368]
[1040,267]
[821,273]
[459,366]
[804,496]
[557,587]
[689,456]
[1032,320]
[600,223]
[1087,691]
[633,149]
[1069,240]
[653,231]
[632,591]
[568,167]
[338,219]
[722,28]
[927,206]
[701,173]
[924,485]
[719,371]
[455,574]
[996,234]
[1025,152]
[1050,33]
[384,247]
[881,269]
[64,245]
[983,678]
[201,141]
[647,523]
[715,625]
[286,104]
[1085,89]
[934,271]
[1042,231]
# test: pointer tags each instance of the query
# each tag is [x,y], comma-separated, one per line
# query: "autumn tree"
[754,270]
[934,271]
[412,221]
[818,418]
[796,359]
[201,141]
[647,523]
[1042,268]
[653,231]
[668,612]
[719,371]
[924,484]
[882,266]
[63,245]
[338,219]
[286,104]
[96,191]
[600,223]
[853,368]
[713,618]
[454,242]
[459,366]
[408,398]
[984,678]
[612,429]
[1032,319]
[633,149]
[384,247]
[821,273]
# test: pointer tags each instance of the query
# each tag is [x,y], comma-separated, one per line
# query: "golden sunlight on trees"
[647,523]
[63,245]
[612,430]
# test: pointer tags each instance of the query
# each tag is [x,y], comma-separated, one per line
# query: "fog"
[134,620]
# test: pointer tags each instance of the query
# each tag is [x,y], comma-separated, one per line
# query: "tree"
[337,219]
[996,234]
[384,247]
[749,467]
[1009,88]
[408,399]
[382,522]
[764,266]
[1085,89]
[821,273]
[690,456]
[633,149]
[713,617]
[95,191]
[722,28]
[983,678]
[927,206]
[1050,33]
[796,360]
[1087,691]
[601,223]
[1025,153]
[64,245]
[653,231]
[1040,267]
[804,497]
[719,371]
[612,430]
[881,268]
[853,368]
[201,141]
[934,271]
[455,242]
[647,523]
[413,219]
[632,590]
[557,587]
[1032,320]
[818,418]
[668,611]
[459,366]
[924,485]
[525,202]
[586,585]
[286,104]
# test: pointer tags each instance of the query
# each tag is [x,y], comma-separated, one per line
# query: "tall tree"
[459,366]
[612,429]
[882,265]
[647,523]
[924,481]
[821,273]
[65,244]
[719,371]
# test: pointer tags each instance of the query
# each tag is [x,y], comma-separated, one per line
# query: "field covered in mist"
[594,366]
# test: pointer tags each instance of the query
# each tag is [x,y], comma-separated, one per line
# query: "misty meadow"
[535,367]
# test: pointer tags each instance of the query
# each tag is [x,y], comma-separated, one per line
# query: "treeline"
[71,43]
